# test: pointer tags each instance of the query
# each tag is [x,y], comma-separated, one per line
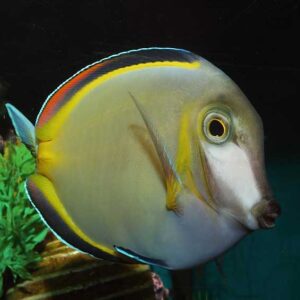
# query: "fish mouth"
[266,212]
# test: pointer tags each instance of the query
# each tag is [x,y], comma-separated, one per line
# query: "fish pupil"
[216,128]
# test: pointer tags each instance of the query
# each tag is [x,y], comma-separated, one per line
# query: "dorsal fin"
[60,99]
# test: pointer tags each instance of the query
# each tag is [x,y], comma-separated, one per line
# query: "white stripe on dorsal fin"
[23,127]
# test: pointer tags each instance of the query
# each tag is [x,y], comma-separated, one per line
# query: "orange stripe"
[54,101]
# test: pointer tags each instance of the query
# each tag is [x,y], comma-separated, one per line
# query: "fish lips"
[266,212]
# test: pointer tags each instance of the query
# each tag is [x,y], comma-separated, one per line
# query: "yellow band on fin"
[46,187]
[48,131]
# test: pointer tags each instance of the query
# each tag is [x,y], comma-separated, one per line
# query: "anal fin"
[141,259]
[44,198]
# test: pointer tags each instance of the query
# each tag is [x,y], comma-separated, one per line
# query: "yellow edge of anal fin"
[49,130]
[47,189]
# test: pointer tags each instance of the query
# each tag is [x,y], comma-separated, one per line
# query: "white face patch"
[233,182]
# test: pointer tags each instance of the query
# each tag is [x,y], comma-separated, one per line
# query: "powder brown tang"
[153,155]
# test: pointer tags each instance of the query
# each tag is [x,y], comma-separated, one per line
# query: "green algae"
[21,228]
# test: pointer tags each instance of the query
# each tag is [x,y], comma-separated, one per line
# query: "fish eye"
[216,127]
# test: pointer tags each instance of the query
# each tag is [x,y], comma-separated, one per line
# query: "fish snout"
[266,212]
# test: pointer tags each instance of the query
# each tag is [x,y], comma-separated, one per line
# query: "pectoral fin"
[173,182]
[23,127]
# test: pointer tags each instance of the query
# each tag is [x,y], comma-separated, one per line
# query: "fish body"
[153,155]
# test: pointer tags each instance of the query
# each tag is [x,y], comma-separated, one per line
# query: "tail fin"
[23,127]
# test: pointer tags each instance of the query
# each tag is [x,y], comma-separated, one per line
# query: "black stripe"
[54,221]
[129,58]
[138,57]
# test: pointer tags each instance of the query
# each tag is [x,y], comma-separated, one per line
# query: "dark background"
[256,42]
[43,42]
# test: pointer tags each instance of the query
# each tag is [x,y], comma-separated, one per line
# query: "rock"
[64,273]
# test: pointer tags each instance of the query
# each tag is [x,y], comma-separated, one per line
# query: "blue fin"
[23,127]
[140,258]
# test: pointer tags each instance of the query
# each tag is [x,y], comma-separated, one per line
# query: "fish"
[150,156]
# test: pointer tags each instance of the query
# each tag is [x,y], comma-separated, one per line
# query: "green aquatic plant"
[21,228]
